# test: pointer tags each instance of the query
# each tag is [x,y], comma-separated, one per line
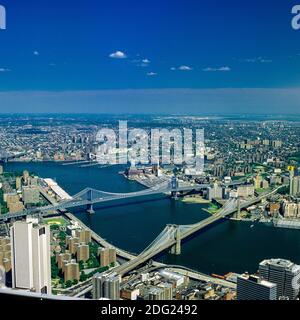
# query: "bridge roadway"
[167,238]
[89,196]
[5,156]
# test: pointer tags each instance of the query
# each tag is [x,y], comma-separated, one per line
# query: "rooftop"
[282,263]
[258,280]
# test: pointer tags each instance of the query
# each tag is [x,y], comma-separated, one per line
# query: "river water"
[227,246]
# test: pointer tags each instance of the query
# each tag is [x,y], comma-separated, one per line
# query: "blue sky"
[133,56]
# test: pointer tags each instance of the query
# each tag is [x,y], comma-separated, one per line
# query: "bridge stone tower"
[176,249]
[238,214]
[89,207]
[3,155]
[174,187]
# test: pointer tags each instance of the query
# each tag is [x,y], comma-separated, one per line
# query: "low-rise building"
[175,278]
[30,195]
[130,294]
[274,208]
[15,207]
[245,191]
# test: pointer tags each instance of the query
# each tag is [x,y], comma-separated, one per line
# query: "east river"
[227,246]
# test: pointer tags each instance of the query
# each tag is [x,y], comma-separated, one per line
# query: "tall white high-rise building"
[285,274]
[31,265]
[215,192]
[294,184]
[2,277]
[106,286]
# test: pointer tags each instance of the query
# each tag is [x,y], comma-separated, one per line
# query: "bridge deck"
[91,196]
[166,238]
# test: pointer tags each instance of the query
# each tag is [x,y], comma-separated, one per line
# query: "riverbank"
[195,200]
[133,226]
[213,208]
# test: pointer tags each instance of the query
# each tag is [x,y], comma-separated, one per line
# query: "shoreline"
[123,254]
[195,200]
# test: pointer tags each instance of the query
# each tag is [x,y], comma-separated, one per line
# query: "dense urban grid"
[250,175]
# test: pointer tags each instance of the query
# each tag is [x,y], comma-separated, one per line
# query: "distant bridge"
[5,156]
[88,197]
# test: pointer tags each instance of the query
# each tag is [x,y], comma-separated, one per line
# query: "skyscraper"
[2,277]
[106,286]
[250,287]
[284,273]
[215,192]
[31,267]
[294,185]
